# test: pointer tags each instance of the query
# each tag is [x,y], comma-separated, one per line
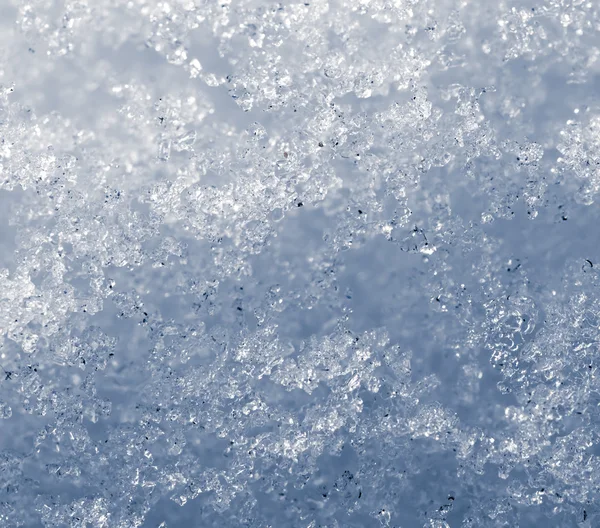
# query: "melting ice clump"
[328,263]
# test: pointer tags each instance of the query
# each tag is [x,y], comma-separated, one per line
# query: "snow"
[330,263]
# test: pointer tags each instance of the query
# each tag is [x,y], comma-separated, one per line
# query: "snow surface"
[330,263]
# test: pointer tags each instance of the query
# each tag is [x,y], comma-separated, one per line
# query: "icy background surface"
[330,263]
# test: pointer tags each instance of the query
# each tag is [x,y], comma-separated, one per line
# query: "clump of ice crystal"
[327,263]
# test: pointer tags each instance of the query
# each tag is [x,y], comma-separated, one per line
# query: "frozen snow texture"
[329,263]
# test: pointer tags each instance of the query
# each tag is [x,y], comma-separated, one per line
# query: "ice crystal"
[316,263]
